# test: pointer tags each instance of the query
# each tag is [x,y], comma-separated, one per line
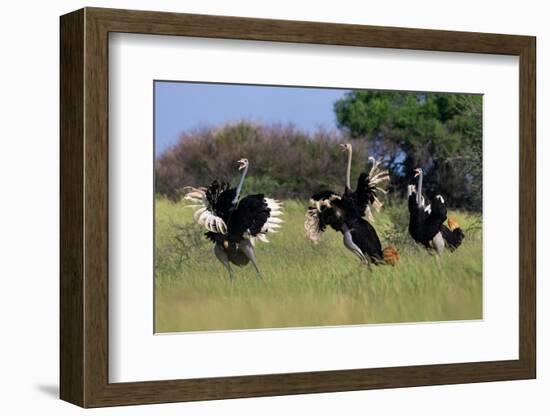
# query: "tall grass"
[310,285]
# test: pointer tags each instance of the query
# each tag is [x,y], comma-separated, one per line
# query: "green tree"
[439,132]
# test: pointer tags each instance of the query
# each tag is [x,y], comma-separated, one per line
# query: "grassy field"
[310,285]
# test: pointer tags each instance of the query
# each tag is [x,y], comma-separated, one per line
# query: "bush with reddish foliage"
[284,162]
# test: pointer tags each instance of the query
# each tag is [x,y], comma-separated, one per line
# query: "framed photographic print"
[255,207]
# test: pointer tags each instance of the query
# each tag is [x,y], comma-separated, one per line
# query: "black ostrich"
[234,224]
[346,214]
[426,225]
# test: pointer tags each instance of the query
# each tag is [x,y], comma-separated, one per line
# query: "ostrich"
[233,223]
[426,225]
[345,213]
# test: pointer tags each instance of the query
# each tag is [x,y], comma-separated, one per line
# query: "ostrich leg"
[246,247]
[438,243]
[350,245]
[221,255]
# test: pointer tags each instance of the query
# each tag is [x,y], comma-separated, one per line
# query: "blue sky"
[180,106]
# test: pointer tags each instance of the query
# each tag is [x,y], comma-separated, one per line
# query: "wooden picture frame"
[84,207]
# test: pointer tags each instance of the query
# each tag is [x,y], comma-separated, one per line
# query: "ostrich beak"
[242,163]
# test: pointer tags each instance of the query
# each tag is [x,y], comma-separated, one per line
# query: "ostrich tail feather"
[453,225]
[390,255]
[311,226]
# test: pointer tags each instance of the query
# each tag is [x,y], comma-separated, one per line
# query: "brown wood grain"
[528,207]
[71,100]
[84,207]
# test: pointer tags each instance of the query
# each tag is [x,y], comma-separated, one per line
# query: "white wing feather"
[311,224]
[273,222]
[376,176]
[203,216]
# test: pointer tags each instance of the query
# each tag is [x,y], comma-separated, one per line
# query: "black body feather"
[245,216]
[220,199]
[250,215]
[364,193]
[453,238]
[424,226]
[365,237]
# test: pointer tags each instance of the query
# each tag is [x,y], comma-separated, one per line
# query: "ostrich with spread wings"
[233,223]
[346,213]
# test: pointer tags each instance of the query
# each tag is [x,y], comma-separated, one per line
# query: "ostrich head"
[417,172]
[346,147]
[243,163]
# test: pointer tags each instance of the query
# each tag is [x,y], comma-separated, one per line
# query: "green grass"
[310,285]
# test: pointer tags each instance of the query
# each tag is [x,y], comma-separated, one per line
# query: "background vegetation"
[442,133]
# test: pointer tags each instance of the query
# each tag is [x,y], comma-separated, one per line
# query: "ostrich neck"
[419,190]
[240,185]
[348,172]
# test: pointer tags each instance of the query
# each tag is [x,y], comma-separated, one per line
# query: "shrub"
[284,162]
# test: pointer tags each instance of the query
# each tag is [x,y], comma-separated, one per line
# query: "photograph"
[300,207]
